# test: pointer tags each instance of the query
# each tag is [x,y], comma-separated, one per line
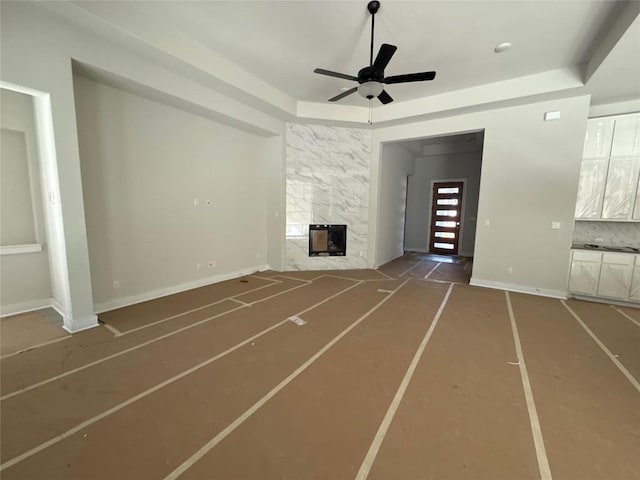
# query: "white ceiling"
[279,43]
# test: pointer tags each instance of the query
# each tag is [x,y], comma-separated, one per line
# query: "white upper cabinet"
[620,191]
[597,142]
[610,171]
[626,137]
[593,174]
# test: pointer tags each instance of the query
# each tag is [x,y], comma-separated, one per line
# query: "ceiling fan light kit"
[371,79]
[370,89]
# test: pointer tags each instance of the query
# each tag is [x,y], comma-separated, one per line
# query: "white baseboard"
[58,307]
[79,325]
[24,307]
[163,292]
[426,250]
[608,301]
[542,292]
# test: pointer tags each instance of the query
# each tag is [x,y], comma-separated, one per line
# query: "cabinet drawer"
[618,258]
[586,256]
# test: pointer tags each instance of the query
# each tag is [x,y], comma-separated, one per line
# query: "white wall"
[143,164]
[453,166]
[37,52]
[24,277]
[396,164]
[530,172]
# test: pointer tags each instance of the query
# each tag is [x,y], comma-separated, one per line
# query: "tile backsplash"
[615,234]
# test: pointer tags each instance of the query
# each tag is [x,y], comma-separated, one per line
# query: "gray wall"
[25,276]
[444,164]
[396,164]
[529,179]
[143,163]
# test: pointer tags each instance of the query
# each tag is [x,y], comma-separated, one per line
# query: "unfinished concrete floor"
[391,376]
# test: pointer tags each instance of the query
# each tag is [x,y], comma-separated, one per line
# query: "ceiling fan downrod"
[373,8]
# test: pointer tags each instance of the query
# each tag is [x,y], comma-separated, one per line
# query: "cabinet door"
[584,277]
[636,210]
[593,173]
[635,285]
[615,281]
[597,142]
[622,179]
[626,137]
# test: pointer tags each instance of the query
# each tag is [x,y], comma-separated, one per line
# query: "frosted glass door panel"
[591,188]
[597,142]
[626,137]
[622,179]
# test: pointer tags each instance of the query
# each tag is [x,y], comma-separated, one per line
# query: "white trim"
[143,297]
[416,250]
[19,249]
[85,323]
[608,301]
[24,307]
[512,287]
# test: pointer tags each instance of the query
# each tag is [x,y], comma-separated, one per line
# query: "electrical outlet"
[487,223]
[116,284]
[509,270]
[212,264]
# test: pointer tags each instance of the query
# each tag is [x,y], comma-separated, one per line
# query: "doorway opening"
[441,211]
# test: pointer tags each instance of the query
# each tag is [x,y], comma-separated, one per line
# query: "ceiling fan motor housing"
[370,74]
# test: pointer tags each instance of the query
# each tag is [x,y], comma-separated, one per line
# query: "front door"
[445,217]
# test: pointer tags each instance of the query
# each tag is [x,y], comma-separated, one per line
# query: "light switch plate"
[555,225]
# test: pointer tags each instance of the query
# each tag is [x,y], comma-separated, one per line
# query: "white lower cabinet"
[584,277]
[635,284]
[609,275]
[615,281]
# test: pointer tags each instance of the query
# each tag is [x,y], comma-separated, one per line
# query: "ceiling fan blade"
[322,71]
[384,56]
[385,98]
[410,77]
[344,94]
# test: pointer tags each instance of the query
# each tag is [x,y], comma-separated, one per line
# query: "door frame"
[462,209]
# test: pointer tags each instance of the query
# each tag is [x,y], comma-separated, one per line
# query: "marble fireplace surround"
[327,182]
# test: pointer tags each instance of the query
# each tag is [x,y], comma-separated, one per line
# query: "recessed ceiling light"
[502,47]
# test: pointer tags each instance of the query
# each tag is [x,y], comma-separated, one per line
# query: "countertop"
[604,248]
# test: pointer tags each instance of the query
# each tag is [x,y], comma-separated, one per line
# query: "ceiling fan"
[371,79]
